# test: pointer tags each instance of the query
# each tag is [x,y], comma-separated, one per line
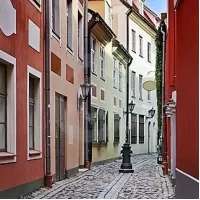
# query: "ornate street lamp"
[126,166]
[151,113]
[85,88]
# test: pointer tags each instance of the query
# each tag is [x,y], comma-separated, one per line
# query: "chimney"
[163,16]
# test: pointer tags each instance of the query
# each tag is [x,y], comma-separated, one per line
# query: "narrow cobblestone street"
[105,182]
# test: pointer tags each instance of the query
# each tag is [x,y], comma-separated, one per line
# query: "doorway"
[60,136]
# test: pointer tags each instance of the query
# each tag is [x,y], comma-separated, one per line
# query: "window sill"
[133,51]
[115,143]
[140,99]
[55,36]
[37,5]
[80,60]
[120,90]
[6,155]
[149,101]
[34,153]
[133,97]
[102,79]
[93,73]
[141,55]
[149,61]
[70,51]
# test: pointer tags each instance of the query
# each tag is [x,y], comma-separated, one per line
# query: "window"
[34,113]
[133,41]
[115,101]
[149,95]
[120,77]
[149,52]
[120,103]
[80,36]
[93,56]
[94,123]
[101,126]
[69,25]
[116,128]
[8,120]
[94,91]
[133,129]
[3,108]
[56,17]
[114,73]
[31,113]
[108,13]
[102,64]
[102,95]
[141,46]
[141,129]
[37,2]
[133,74]
[140,87]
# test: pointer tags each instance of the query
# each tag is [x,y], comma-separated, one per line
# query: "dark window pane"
[31,138]
[2,137]
[2,79]
[2,109]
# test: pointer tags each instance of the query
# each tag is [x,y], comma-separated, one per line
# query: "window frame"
[134,128]
[69,28]
[115,73]
[116,136]
[54,31]
[93,52]
[120,76]
[5,114]
[141,134]
[96,120]
[101,122]
[133,83]
[149,95]
[102,60]
[140,86]
[133,41]
[140,46]
[35,153]
[80,36]
[149,52]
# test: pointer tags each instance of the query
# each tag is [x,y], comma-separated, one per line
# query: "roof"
[145,18]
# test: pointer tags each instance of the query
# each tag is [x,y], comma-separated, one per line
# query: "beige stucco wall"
[73,126]
[109,150]
[97,6]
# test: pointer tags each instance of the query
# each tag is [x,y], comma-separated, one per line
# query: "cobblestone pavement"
[104,181]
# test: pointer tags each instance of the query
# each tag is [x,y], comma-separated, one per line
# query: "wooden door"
[60,137]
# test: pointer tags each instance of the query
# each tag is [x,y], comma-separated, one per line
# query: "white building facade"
[141,45]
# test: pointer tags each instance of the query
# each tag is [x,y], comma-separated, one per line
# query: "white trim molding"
[11,153]
[189,176]
[37,152]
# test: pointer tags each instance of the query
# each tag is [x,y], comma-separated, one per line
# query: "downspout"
[127,75]
[48,175]
[164,138]
[86,77]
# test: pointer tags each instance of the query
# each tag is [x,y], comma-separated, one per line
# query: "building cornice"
[100,29]
[147,28]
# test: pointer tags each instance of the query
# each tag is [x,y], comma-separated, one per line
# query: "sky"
[157,6]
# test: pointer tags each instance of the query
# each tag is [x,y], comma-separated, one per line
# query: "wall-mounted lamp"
[151,113]
[85,88]
[131,107]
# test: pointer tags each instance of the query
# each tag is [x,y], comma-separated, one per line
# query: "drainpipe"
[164,138]
[48,175]
[86,76]
[127,81]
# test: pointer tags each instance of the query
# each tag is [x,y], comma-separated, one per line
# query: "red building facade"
[21,94]
[181,96]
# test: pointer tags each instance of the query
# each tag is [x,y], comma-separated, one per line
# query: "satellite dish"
[149,85]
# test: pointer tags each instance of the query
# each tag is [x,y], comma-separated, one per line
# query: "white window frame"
[37,5]
[102,59]
[11,154]
[149,52]
[93,97]
[93,52]
[120,76]
[140,86]
[97,110]
[141,46]
[98,123]
[114,97]
[133,41]
[114,72]
[133,83]
[70,48]
[37,152]
[104,95]
[149,96]
[80,36]
[108,14]
[141,7]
